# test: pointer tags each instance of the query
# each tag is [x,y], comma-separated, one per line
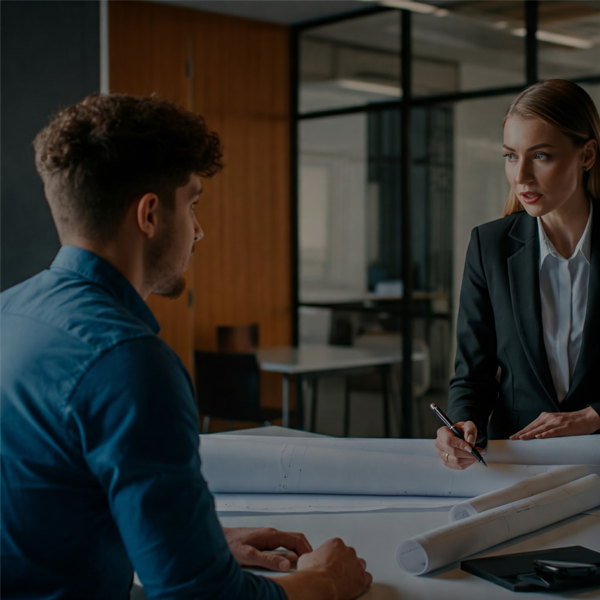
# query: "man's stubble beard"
[171,289]
[166,283]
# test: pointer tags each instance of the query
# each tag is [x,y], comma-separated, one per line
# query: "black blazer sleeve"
[474,389]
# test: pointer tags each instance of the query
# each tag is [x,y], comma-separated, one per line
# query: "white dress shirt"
[564,290]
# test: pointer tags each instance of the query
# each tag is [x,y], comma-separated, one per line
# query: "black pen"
[448,423]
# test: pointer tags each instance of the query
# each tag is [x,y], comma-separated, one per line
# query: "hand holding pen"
[455,442]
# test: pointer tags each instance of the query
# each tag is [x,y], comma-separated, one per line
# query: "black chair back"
[237,338]
[227,385]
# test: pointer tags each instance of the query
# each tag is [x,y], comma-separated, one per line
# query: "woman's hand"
[547,425]
[456,453]
[247,544]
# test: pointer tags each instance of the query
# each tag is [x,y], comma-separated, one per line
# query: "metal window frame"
[405,104]
[406,211]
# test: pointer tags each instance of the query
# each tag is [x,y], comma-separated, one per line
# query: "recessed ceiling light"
[556,38]
[366,86]
[419,7]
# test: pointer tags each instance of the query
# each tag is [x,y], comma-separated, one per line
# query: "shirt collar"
[584,245]
[93,268]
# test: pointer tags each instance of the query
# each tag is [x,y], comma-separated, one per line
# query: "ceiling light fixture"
[366,86]
[556,38]
[419,7]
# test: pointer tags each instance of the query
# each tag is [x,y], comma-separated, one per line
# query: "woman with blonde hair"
[528,331]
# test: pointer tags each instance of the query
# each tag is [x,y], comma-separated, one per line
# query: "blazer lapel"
[591,327]
[524,282]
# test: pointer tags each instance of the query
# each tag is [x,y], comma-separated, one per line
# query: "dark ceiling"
[285,12]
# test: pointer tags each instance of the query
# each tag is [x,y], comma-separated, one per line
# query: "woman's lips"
[530,197]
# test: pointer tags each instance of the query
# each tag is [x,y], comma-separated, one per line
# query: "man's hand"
[333,570]
[247,544]
[456,453]
[547,425]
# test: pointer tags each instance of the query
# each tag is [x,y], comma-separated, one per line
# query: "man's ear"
[147,218]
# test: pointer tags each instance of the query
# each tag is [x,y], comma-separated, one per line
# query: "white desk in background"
[326,297]
[316,360]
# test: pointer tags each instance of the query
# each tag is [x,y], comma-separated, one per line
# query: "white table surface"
[375,535]
[309,358]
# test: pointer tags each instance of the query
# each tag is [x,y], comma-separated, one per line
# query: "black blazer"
[500,325]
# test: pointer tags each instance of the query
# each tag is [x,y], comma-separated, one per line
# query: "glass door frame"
[404,105]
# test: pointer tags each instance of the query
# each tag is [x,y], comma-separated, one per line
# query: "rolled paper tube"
[523,489]
[454,541]
[574,450]
[240,466]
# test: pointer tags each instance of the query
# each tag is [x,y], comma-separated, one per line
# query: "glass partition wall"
[397,133]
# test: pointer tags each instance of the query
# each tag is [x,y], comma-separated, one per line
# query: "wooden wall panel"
[240,84]
[149,47]
[241,75]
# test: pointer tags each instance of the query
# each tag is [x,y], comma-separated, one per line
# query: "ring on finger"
[447,456]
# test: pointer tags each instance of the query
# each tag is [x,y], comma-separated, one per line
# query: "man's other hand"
[248,545]
[333,570]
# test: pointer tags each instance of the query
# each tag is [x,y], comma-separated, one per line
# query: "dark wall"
[50,58]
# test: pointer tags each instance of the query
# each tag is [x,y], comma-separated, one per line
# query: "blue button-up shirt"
[100,465]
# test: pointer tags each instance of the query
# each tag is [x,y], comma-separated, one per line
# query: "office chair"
[228,387]
[237,338]
[421,368]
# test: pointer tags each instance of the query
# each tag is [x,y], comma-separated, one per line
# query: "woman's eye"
[509,155]
[541,156]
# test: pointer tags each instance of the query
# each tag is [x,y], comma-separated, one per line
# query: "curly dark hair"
[100,155]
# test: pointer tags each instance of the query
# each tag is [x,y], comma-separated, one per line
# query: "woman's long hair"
[568,107]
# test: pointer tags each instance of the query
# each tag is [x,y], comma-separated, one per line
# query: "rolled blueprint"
[240,466]
[454,541]
[573,450]
[524,489]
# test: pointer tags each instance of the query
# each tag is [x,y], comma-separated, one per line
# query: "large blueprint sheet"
[291,466]
[273,474]
[579,450]
[327,503]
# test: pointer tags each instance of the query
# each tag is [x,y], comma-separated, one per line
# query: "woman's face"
[543,166]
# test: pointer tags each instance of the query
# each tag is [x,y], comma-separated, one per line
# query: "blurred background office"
[362,144]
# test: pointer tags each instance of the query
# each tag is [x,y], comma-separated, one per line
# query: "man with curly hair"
[100,469]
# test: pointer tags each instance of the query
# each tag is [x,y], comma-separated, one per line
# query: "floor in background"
[366,411]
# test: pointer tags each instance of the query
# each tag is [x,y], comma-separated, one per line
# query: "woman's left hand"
[580,422]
